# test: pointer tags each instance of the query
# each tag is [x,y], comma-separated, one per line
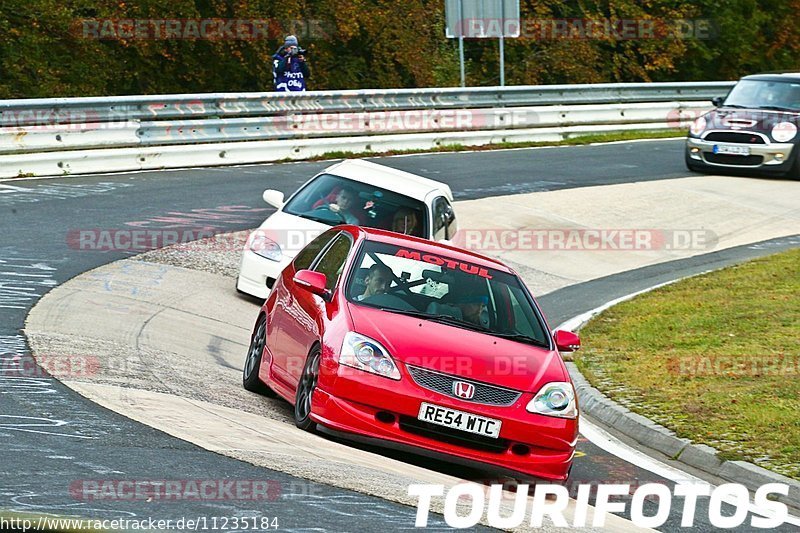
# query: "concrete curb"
[655,436]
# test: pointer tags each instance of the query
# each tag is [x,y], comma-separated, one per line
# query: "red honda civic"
[402,342]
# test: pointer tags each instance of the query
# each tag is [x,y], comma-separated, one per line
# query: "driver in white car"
[342,204]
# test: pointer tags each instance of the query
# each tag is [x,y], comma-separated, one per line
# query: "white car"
[351,192]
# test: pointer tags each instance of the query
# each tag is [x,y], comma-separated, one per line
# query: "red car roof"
[425,246]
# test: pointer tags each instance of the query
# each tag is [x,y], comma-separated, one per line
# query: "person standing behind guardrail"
[289,66]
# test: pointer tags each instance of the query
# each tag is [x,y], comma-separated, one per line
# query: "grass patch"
[573,139]
[715,358]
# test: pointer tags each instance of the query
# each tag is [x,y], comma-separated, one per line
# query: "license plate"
[731,150]
[451,418]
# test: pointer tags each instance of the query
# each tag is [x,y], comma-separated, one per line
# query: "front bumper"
[374,409]
[773,157]
[254,272]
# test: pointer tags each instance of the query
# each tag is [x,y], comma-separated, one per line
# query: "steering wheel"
[329,210]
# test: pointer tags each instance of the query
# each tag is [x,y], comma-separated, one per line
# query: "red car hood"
[460,352]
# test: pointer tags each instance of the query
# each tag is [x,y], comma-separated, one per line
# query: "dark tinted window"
[311,251]
[332,263]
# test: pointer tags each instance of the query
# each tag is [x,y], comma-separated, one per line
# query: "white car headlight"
[363,353]
[555,399]
[784,132]
[266,248]
[698,126]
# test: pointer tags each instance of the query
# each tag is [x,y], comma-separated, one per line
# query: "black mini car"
[753,127]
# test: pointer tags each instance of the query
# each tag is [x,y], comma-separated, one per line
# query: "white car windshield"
[766,94]
[439,288]
[335,200]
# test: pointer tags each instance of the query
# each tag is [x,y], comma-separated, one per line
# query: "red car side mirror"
[313,282]
[566,341]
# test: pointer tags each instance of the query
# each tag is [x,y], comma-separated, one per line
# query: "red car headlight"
[361,352]
[555,399]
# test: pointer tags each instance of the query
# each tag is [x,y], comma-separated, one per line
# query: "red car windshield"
[437,287]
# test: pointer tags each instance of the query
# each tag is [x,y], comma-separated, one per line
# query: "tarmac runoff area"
[162,341]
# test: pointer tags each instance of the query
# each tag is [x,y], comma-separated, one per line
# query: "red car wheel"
[252,363]
[305,390]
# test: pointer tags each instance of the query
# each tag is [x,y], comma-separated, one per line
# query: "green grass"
[574,139]
[716,358]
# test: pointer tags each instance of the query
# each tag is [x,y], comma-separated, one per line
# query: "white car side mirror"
[273,198]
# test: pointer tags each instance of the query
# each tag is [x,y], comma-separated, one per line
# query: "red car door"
[286,306]
[304,321]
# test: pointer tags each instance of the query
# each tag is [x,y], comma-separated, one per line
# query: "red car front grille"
[443,383]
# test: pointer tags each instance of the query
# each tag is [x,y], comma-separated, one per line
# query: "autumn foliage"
[45,50]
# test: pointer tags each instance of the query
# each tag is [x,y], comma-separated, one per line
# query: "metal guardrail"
[54,135]
[29,112]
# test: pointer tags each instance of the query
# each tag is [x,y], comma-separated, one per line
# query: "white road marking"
[11,188]
[614,446]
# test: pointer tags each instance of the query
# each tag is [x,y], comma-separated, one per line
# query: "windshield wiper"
[418,314]
[520,337]
[444,319]
[452,321]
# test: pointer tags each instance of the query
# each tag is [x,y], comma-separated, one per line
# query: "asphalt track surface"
[53,438]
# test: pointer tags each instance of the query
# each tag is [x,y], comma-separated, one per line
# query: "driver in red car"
[377,281]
